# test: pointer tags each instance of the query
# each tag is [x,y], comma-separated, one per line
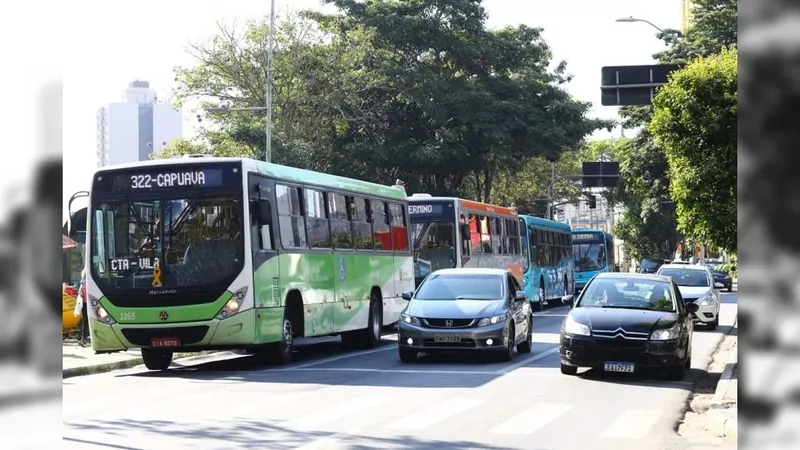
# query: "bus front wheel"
[156,359]
[283,350]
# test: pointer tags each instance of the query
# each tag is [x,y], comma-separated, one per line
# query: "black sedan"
[466,310]
[722,278]
[626,322]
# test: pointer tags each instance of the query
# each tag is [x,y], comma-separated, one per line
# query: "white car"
[696,284]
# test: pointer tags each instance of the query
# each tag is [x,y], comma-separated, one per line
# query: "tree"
[418,90]
[649,223]
[695,123]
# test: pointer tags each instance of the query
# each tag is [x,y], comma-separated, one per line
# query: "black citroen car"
[466,310]
[625,322]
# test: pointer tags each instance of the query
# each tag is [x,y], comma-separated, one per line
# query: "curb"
[119,365]
[722,425]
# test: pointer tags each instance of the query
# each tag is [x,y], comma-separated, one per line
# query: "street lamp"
[632,19]
[268,107]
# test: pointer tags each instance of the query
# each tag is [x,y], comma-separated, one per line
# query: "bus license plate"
[446,338]
[165,342]
[619,367]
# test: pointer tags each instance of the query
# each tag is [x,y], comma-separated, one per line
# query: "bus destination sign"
[146,179]
[188,178]
[427,209]
[585,237]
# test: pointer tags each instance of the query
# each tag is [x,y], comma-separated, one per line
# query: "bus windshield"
[168,242]
[434,241]
[589,256]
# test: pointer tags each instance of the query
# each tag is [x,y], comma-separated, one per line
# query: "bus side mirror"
[465,232]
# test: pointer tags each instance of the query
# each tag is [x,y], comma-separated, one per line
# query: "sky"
[101,46]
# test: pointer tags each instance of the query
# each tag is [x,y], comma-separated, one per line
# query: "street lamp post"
[268,107]
[632,19]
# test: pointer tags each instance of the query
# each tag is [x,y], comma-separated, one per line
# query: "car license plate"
[446,338]
[165,342]
[619,367]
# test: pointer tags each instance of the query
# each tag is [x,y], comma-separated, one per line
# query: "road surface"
[331,400]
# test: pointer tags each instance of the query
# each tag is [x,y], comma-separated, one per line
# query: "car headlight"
[706,300]
[233,305]
[667,334]
[572,326]
[410,319]
[491,320]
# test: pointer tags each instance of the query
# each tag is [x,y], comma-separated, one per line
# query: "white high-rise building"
[141,124]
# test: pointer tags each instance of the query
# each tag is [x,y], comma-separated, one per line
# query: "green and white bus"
[204,253]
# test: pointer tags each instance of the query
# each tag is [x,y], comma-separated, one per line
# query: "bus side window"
[261,217]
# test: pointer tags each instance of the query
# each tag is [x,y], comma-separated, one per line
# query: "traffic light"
[592,202]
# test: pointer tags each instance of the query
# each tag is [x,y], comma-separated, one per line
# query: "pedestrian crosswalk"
[326,416]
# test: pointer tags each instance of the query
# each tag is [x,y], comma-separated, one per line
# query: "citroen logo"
[163,315]
[448,323]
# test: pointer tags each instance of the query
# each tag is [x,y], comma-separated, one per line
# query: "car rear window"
[687,277]
[454,287]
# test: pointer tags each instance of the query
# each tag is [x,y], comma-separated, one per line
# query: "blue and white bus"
[594,253]
[550,272]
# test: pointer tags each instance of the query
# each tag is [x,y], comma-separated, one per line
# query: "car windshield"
[458,287]
[687,277]
[628,293]
[652,263]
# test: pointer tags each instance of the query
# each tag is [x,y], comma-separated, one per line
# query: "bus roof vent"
[399,184]
[198,155]
[421,195]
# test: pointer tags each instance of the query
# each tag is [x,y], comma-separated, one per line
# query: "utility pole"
[268,153]
[551,193]
[268,106]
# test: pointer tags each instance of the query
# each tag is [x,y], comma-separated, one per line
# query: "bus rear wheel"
[156,359]
[369,337]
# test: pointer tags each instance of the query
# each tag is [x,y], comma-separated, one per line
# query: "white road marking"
[332,442]
[335,358]
[435,414]
[528,360]
[531,420]
[319,418]
[632,424]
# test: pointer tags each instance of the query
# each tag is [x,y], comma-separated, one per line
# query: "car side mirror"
[692,307]
[520,296]
[570,301]
[406,295]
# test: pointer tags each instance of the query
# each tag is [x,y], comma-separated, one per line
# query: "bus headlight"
[99,312]
[233,305]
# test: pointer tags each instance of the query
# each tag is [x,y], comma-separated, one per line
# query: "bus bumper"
[237,331]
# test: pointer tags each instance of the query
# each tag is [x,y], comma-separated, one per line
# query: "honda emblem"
[448,323]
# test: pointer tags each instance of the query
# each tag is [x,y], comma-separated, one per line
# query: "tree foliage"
[695,123]
[649,223]
[418,90]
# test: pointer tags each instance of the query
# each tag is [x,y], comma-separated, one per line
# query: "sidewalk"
[78,361]
[723,410]
[711,418]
